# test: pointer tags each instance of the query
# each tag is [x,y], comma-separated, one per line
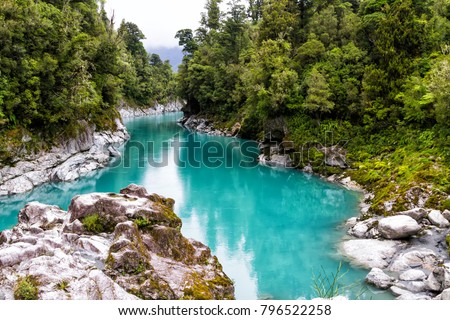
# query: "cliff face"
[89,151]
[107,246]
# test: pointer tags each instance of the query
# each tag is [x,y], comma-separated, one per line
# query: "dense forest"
[64,61]
[374,73]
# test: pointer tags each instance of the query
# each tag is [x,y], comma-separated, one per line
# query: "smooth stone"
[446,214]
[351,222]
[398,227]
[445,294]
[416,213]
[437,219]
[370,253]
[413,275]
[413,286]
[439,279]
[379,279]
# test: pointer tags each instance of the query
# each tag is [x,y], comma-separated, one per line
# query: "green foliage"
[27,288]
[62,62]
[328,286]
[142,223]
[63,285]
[318,94]
[93,223]
[446,204]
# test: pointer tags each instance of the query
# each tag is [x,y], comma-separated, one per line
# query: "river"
[274,230]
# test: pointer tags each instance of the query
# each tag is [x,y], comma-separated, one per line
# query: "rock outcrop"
[199,124]
[129,112]
[109,246]
[89,151]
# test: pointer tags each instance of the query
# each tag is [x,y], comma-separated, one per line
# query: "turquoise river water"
[272,229]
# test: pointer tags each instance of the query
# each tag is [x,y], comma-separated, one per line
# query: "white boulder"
[437,219]
[398,227]
[370,253]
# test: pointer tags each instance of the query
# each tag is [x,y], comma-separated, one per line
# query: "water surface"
[272,229]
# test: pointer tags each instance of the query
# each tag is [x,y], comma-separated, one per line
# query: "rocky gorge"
[132,112]
[70,159]
[107,246]
[88,151]
[407,252]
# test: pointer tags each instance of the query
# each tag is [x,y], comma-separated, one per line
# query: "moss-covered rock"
[109,246]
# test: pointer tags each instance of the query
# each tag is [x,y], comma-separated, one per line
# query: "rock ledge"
[109,246]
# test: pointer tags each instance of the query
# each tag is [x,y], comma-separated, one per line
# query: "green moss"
[446,204]
[198,290]
[143,223]
[172,244]
[142,266]
[220,281]
[434,201]
[447,240]
[93,223]
[27,288]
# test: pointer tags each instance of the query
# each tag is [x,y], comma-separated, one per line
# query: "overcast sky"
[159,20]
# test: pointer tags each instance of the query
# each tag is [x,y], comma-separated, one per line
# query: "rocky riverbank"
[107,246]
[129,112]
[202,125]
[406,252]
[90,150]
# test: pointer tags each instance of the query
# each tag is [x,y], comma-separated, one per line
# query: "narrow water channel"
[272,229]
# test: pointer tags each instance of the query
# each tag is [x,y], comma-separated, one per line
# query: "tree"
[186,40]
[439,87]
[255,10]
[278,21]
[271,83]
[318,94]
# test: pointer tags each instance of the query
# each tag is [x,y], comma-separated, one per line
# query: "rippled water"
[272,229]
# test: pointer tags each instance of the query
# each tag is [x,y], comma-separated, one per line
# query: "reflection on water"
[270,228]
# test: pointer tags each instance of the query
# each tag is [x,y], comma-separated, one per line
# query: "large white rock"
[421,258]
[445,294]
[404,294]
[17,185]
[439,279]
[40,215]
[437,219]
[370,253]
[416,213]
[379,279]
[94,266]
[413,286]
[398,227]
[413,275]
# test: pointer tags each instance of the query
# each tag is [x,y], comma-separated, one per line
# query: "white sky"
[159,20]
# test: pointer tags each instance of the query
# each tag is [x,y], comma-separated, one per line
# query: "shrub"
[26,289]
